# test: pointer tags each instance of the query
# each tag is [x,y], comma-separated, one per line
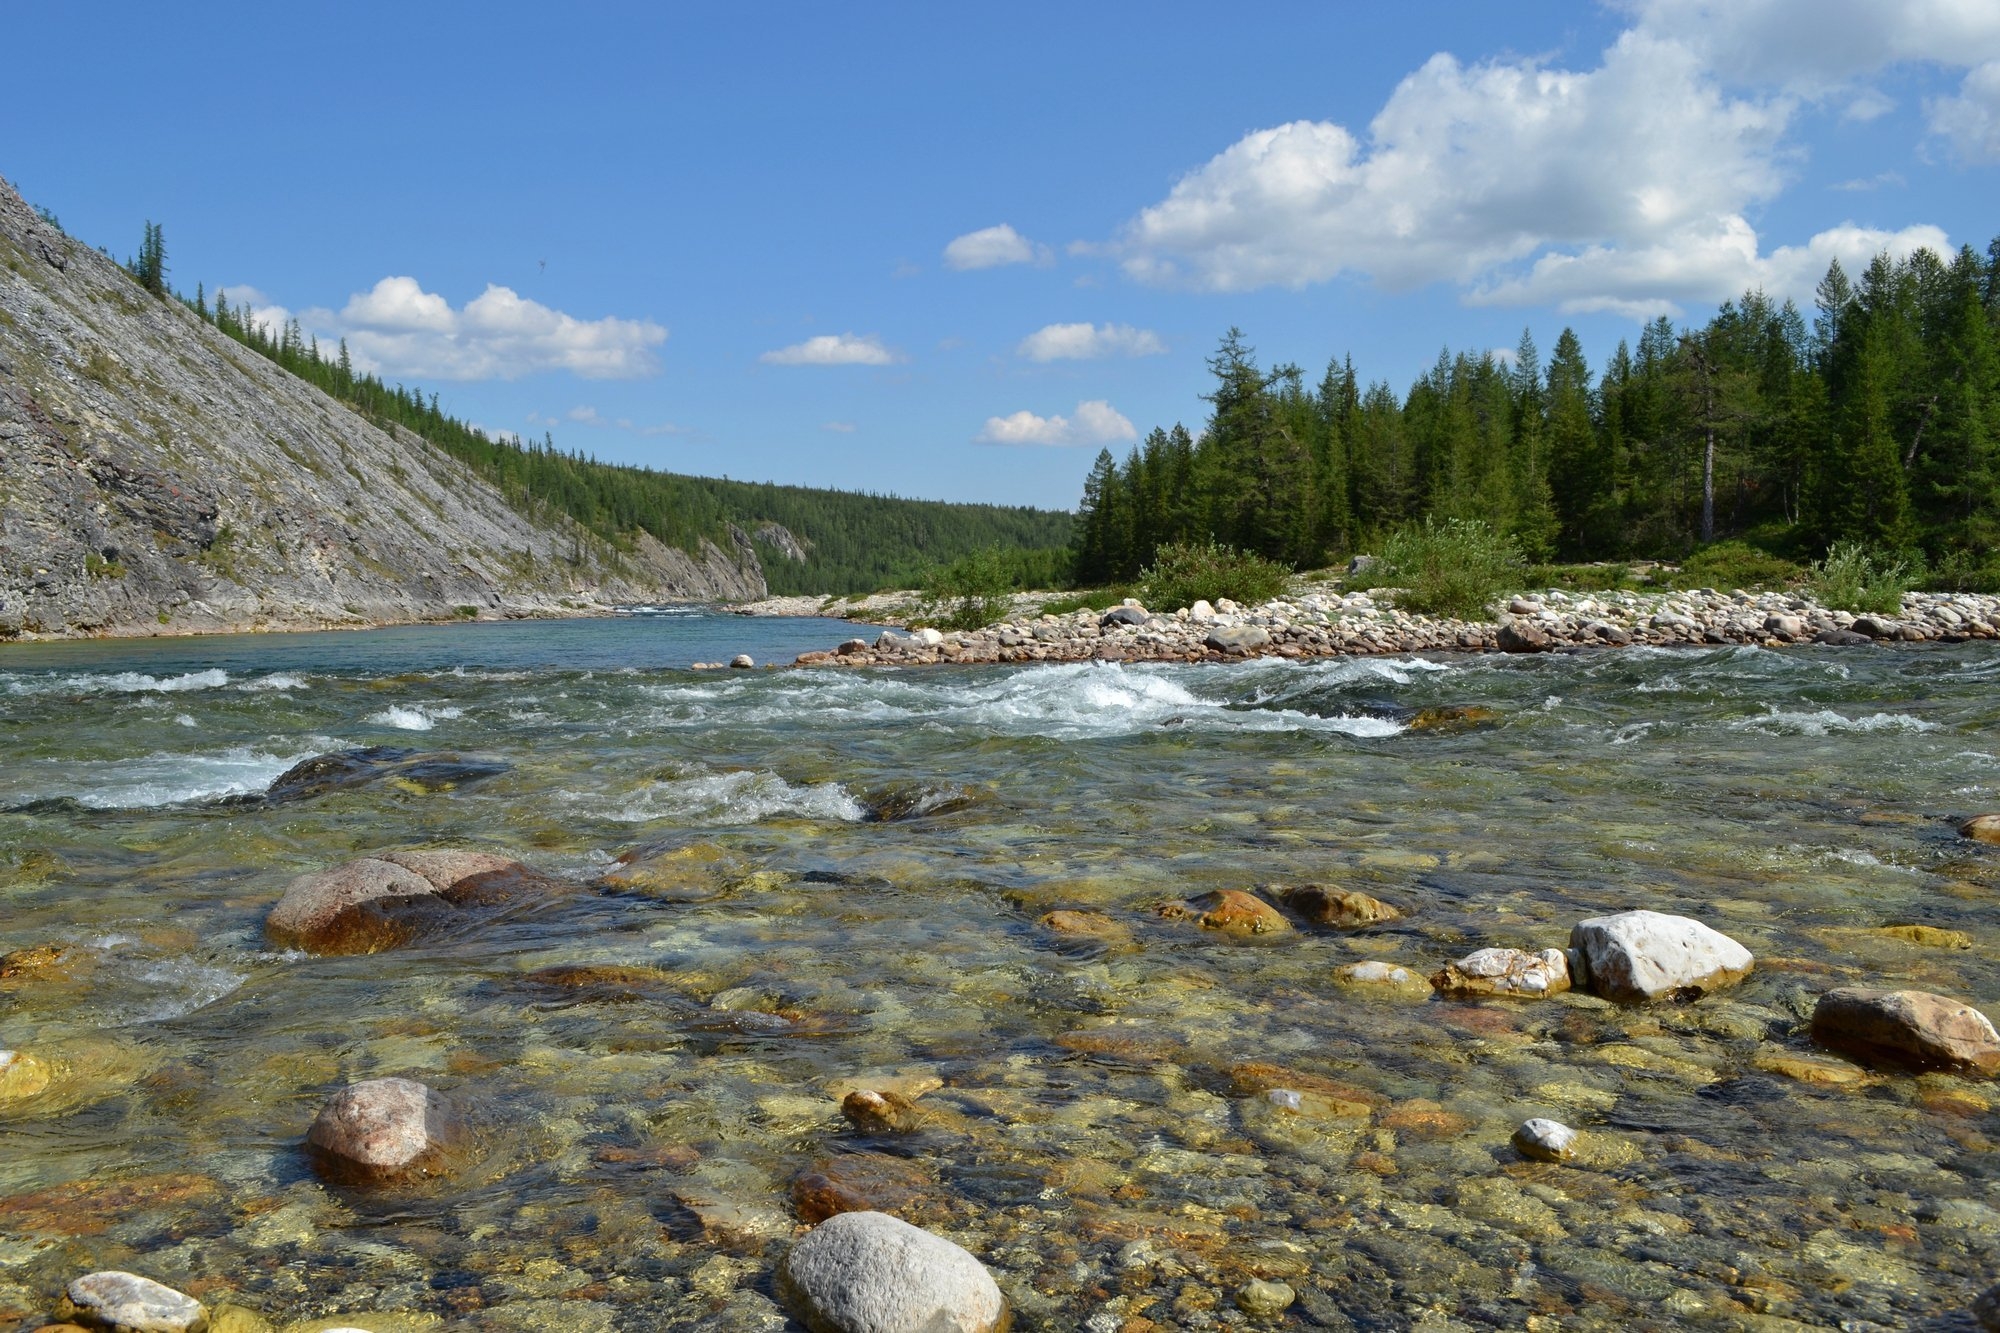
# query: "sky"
[953,251]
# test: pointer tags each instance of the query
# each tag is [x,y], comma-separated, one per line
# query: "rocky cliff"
[157,477]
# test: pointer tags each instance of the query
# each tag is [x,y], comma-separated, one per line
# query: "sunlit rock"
[1340,908]
[1545,1140]
[127,1303]
[1505,972]
[1230,912]
[384,1131]
[868,1272]
[1651,955]
[1907,1027]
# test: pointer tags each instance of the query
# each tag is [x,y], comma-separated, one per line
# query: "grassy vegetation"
[103,567]
[1183,573]
[1583,578]
[1089,599]
[971,592]
[1453,568]
[1851,578]
[1733,564]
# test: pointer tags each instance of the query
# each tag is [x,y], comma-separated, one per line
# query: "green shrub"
[103,566]
[1964,571]
[1581,578]
[1734,564]
[1454,568]
[466,612]
[1183,573]
[971,592]
[1851,579]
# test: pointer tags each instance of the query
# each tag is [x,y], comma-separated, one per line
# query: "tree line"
[855,542]
[1878,422]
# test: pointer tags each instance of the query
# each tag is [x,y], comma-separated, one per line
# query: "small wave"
[188,986]
[1779,722]
[121,682]
[741,797]
[418,718]
[277,680]
[162,779]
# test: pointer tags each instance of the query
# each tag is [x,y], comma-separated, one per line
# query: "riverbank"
[1332,624]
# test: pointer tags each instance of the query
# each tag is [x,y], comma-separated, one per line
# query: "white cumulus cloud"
[1971,120]
[1094,422]
[398,328]
[991,247]
[834,349]
[586,415]
[1085,342]
[1818,45]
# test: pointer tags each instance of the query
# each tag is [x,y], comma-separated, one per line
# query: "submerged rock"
[859,1182]
[1981,828]
[1230,912]
[127,1303]
[1344,908]
[1453,718]
[1907,1027]
[1265,1299]
[868,1272]
[884,1112]
[21,1076]
[326,773]
[379,902]
[1506,972]
[1085,925]
[1650,955]
[1545,1140]
[384,1131]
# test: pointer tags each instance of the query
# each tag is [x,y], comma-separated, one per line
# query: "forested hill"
[847,541]
[1878,422]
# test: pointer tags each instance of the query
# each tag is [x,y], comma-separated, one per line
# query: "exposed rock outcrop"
[157,477]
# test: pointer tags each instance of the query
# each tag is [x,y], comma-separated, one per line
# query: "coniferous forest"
[1877,421]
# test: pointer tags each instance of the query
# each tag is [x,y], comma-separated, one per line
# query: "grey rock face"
[128,1303]
[1647,955]
[382,1131]
[868,1272]
[155,476]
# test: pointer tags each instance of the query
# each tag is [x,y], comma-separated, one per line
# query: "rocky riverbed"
[1324,624]
[1593,990]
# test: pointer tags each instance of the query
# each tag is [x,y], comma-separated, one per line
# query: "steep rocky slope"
[156,477]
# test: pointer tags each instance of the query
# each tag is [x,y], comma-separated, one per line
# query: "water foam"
[740,797]
[121,682]
[1776,721]
[161,779]
[420,717]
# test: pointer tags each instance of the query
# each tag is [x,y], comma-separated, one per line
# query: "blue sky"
[950,252]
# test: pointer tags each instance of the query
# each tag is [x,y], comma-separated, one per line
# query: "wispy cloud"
[838,427]
[834,349]
[1085,342]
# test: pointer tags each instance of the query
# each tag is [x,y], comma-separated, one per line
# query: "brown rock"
[1340,908]
[1230,912]
[384,1131]
[1254,1078]
[91,1207]
[42,964]
[609,983]
[1907,1027]
[874,1112]
[858,1182]
[1424,1119]
[1087,925]
[1523,636]
[1983,828]
[1120,1044]
[1454,717]
[1930,937]
[446,868]
[363,906]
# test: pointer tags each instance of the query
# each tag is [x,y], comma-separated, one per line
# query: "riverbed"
[845,872]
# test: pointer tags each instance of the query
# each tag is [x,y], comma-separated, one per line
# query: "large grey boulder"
[384,1131]
[1907,1027]
[1650,955]
[1123,615]
[127,1303]
[1522,636]
[868,1272]
[1237,638]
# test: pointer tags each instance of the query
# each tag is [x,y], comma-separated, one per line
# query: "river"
[848,871]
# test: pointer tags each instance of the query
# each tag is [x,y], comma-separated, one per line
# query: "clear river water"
[844,874]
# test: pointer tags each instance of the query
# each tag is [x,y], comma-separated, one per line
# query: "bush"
[1734,564]
[1452,568]
[1581,578]
[1964,571]
[1183,573]
[971,592]
[1851,579]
